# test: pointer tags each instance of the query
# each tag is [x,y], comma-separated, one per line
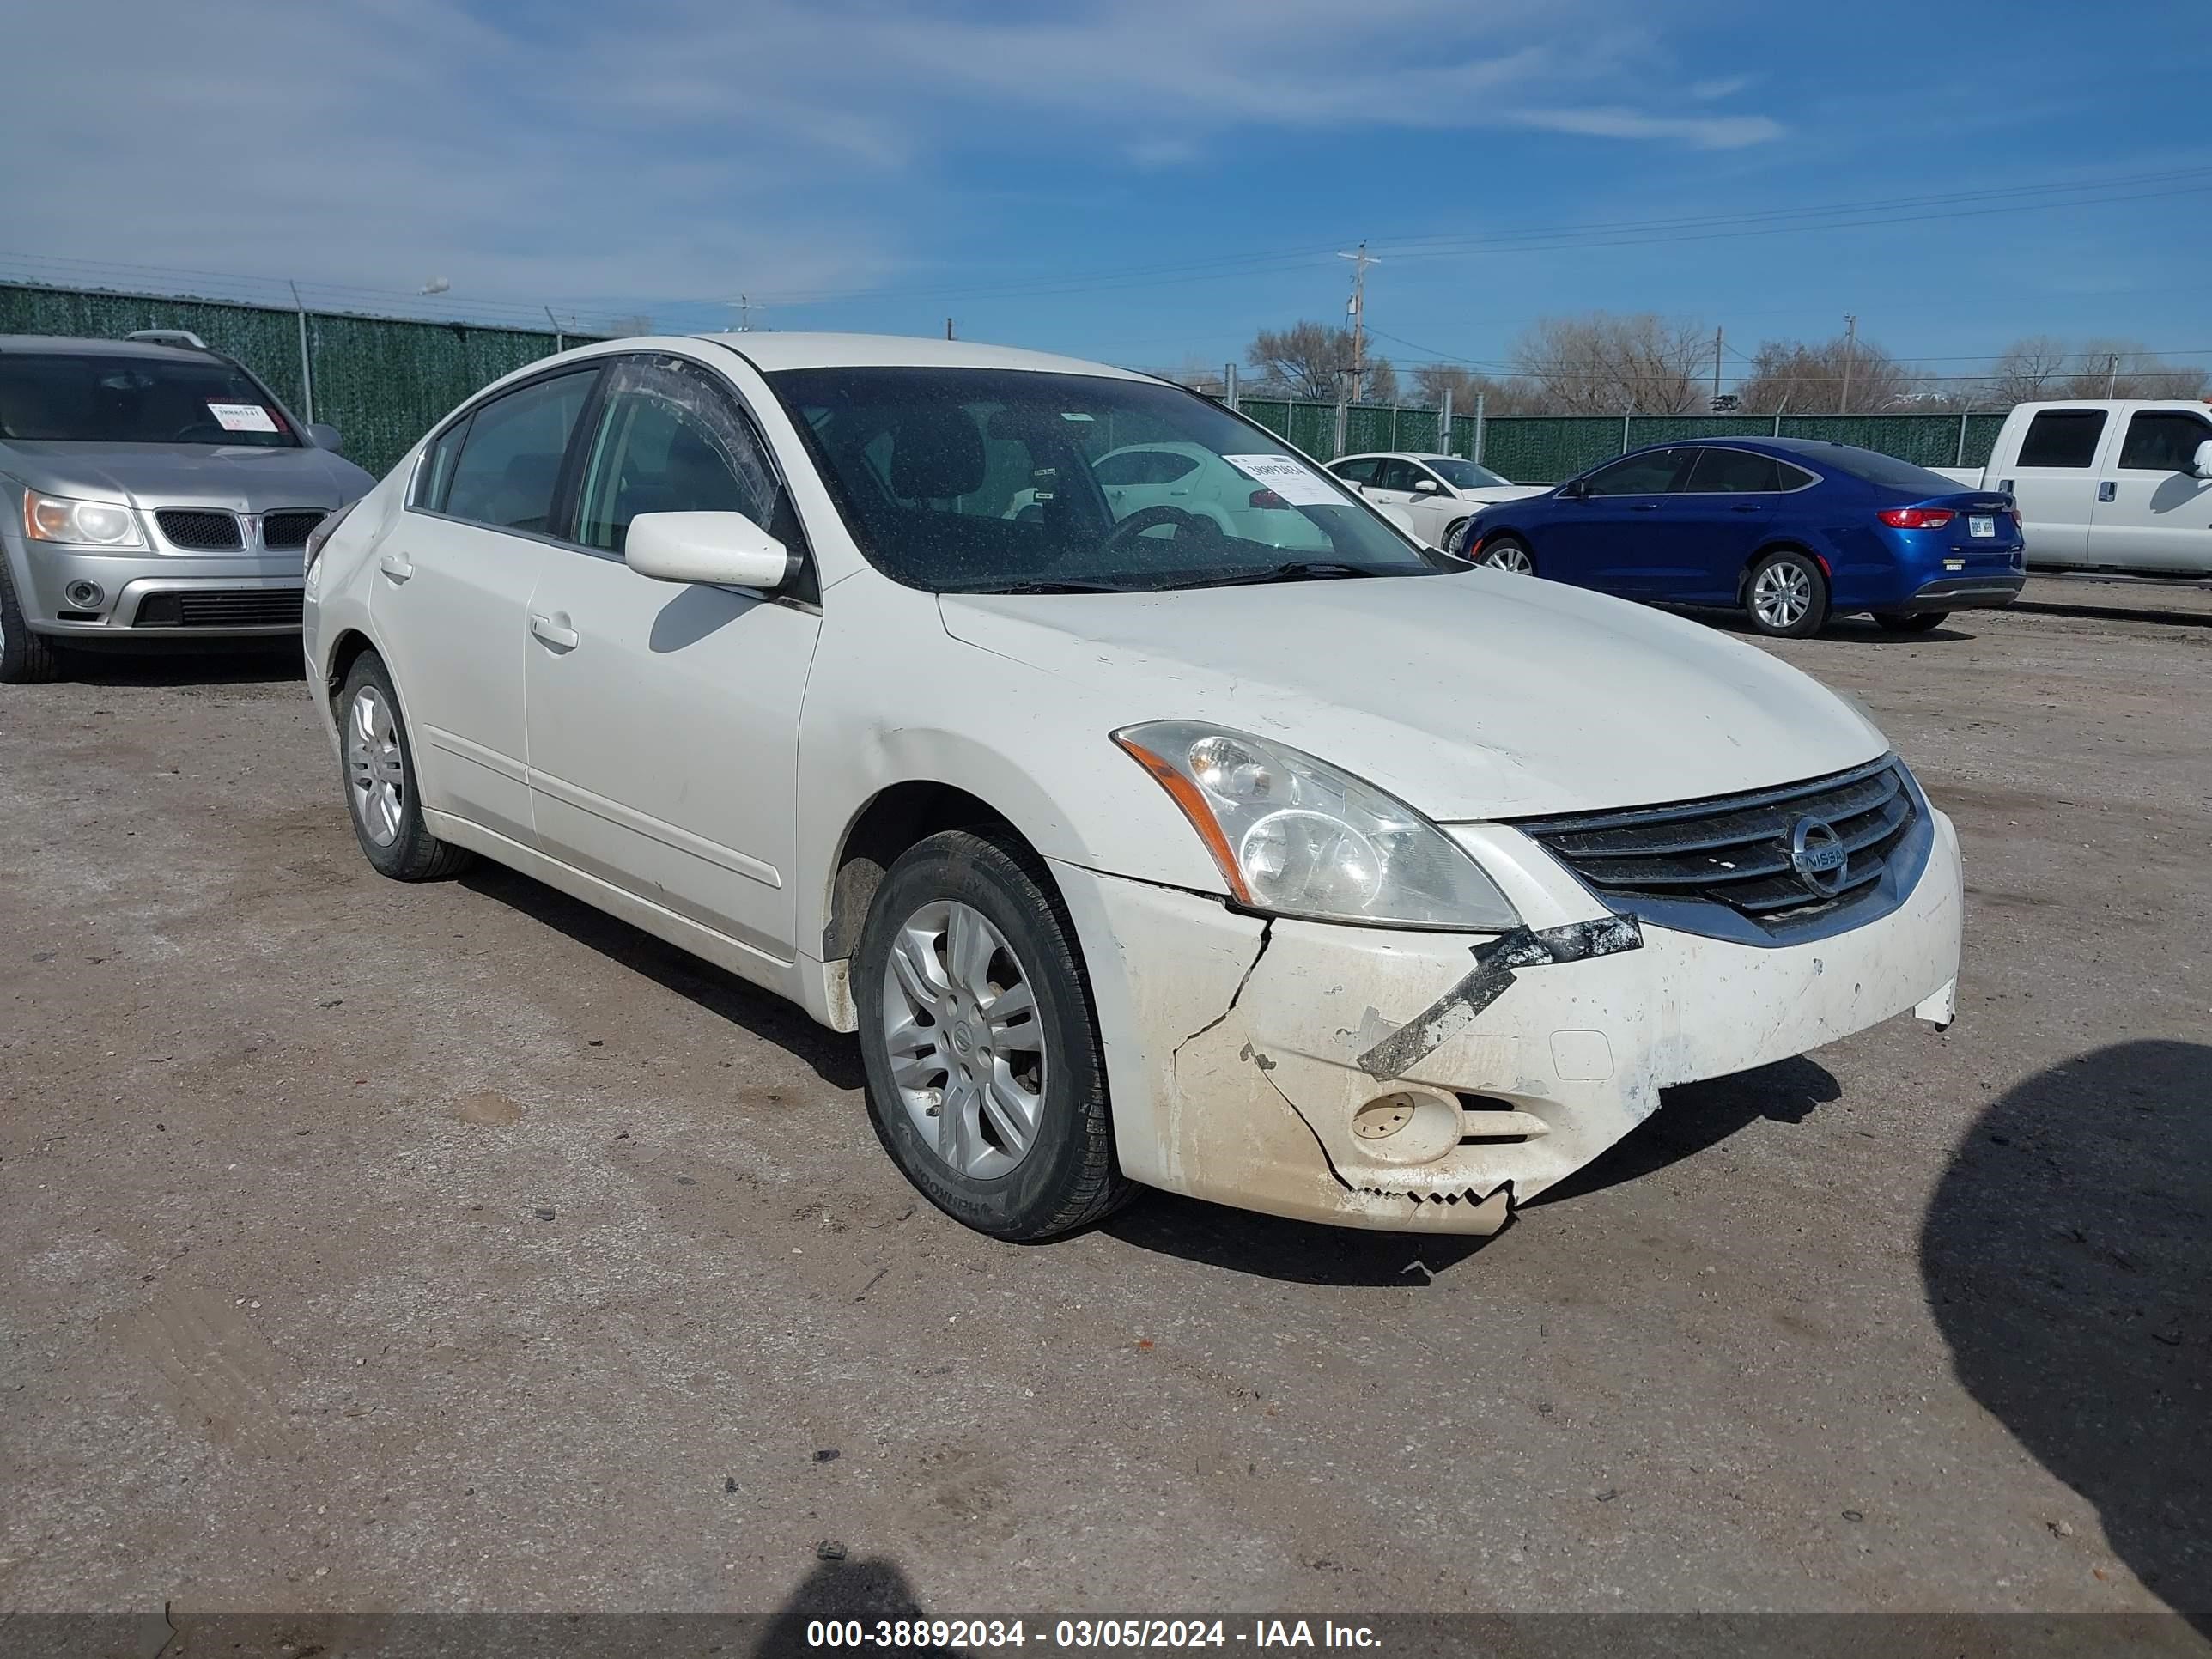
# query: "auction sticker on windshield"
[242,417]
[1288,477]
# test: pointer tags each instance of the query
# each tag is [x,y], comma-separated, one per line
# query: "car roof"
[84,347]
[1397,455]
[770,352]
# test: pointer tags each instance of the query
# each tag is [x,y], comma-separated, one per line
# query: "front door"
[454,580]
[2153,512]
[664,718]
[1724,511]
[1605,537]
[2054,479]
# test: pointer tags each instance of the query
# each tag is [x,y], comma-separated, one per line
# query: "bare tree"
[2043,367]
[2030,369]
[1601,363]
[1378,381]
[1815,378]
[1310,360]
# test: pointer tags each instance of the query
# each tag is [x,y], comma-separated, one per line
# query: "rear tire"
[26,658]
[1785,594]
[376,769]
[999,1118]
[1910,622]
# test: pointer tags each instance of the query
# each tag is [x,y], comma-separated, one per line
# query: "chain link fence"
[382,381]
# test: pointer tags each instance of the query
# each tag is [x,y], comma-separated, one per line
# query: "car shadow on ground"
[1859,630]
[2067,1254]
[237,666]
[1695,1115]
[1294,1252]
[835,1057]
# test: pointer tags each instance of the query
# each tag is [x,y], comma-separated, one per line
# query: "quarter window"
[436,475]
[670,440]
[1143,466]
[510,459]
[2163,441]
[1733,472]
[2062,437]
[1654,472]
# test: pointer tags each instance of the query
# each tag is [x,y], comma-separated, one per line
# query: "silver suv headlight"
[80,523]
[1295,836]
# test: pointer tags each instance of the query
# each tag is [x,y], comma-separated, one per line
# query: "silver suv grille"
[1734,853]
[199,528]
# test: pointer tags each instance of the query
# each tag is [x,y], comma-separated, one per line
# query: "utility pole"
[948,328]
[2112,372]
[1718,335]
[1850,351]
[1357,310]
[743,305]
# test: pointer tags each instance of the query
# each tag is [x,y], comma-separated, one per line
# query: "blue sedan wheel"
[1787,595]
[1507,554]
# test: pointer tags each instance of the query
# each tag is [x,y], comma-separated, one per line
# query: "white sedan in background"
[1437,493]
[1363,886]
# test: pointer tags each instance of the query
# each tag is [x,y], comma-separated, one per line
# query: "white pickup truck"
[2108,485]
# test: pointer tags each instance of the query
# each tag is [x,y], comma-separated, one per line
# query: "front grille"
[198,527]
[288,530]
[1734,851]
[255,607]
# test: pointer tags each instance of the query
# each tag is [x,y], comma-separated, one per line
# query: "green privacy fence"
[382,381]
[1547,448]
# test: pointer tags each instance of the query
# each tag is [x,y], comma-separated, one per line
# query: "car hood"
[244,479]
[1469,695]
[1495,492]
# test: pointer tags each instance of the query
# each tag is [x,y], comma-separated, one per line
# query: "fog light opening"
[1408,1125]
[85,596]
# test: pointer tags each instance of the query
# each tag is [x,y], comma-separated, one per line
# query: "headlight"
[1296,837]
[84,523]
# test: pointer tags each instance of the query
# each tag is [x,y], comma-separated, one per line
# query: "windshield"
[977,480]
[1886,470]
[1465,475]
[99,398]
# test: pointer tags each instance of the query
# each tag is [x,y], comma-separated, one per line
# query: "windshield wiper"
[1044,587]
[1297,570]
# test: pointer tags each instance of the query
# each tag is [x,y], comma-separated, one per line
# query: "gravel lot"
[376,1247]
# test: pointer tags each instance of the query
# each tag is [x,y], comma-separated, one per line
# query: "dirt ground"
[374,1247]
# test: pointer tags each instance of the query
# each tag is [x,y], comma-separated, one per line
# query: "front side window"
[1465,475]
[2163,441]
[670,440]
[510,459]
[1733,472]
[1654,472]
[975,480]
[88,398]
[2062,437]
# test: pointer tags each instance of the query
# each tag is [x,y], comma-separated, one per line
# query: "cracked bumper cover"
[1239,1051]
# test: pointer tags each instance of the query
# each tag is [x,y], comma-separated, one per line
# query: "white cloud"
[699,148]
[1726,86]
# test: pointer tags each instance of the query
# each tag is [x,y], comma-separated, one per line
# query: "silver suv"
[150,489]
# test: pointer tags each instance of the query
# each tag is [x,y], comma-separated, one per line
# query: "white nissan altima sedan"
[1319,875]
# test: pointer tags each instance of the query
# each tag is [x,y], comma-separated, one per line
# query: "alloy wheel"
[966,1047]
[376,774]
[1511,556]
[1782,594]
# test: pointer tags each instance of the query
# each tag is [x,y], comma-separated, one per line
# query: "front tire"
[1786,595]
[1453,531]
[986,1081]
[26,658]
[1910,622]
[1509,553]
[376,768]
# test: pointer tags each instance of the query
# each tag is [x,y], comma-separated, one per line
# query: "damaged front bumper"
[1428,1082]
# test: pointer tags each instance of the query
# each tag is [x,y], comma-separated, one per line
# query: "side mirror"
[326,436]
[720,550]
[1427,486]
[2203,466]
[1573,490]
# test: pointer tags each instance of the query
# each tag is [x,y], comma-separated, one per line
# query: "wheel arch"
[895,817]
[1781,543]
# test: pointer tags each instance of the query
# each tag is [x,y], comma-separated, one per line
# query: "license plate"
[1978,525]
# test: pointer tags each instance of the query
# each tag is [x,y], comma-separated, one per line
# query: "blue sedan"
[1791,531]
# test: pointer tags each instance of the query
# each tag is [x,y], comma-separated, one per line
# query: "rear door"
[453,590]
[1605,537]
[664,718]
[2153,512]
[2054,478]
[1728,504]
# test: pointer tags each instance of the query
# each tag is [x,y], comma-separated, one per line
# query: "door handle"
[1746,506]
[395,567]
[2108,490]
[555,634]
[1643,506]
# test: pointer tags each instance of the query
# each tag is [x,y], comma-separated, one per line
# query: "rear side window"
[2062,437]
[1733,472]
[1654,472]
[2163,441]
[510,460]
[1359,472]
[1888,471]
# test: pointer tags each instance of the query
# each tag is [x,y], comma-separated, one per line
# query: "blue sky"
[1143,180]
